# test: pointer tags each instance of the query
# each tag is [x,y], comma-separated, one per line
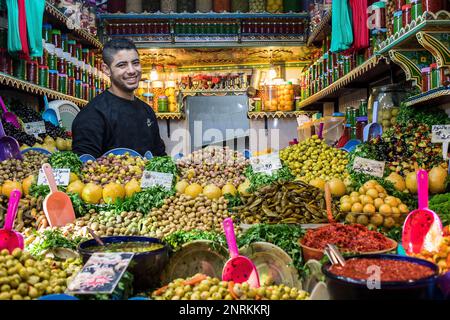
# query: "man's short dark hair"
[113,46]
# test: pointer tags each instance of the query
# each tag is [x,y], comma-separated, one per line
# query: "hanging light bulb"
[154,73]
[272,72]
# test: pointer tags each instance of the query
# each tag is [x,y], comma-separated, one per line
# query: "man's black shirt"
[109,122]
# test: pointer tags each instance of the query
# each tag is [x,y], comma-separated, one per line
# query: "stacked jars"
[286,97]
[257,5]
[170,92]
[157,91]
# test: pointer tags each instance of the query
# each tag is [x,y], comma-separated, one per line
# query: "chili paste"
[390,270]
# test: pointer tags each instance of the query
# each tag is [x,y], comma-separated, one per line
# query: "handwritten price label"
[266,163]
[35,128]
[368,166]
[152,178]
[101,273]
[62,177]
[440,133]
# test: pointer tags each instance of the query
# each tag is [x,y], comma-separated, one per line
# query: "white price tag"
[34,128]
[62,177]
[368,166]
[266,163]
[152,178]
[440,133]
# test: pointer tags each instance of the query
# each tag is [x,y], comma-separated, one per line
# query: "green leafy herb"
[429,116]
[66,160]
[440,204]
[145,200]
[162,164]
[177,239]
[52,239]
[258,180]
[233,201]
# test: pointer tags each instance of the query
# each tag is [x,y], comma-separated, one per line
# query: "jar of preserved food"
[221,5]
[406,14]
[71,47]
[5,61]
[292,5]
[399,4]
[257,5]
[170,92]
[362,108]
[62,83]
[274,6]
[85,89]
[64,42]
[185,5]
[204,5]
[286,97]
[270,98]
[435,76]
[79,52]
[20,69]
[239,5]
[168,6]
[56,38]
[380,14]
[389,98]
[398,21]
[361,122]
[433,5]
[78,89]
[71,86]
[257,104]
[136,6]
[53,79]
[426,79]
[416,10]
[32,71]
[43,76]
[47,32]
[163,104]
[157,90]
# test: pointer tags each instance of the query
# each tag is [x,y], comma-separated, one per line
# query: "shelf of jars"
[370,70]
[83,35]
[437,96]
[276,114]
[212,92]
[201,15]
[405,37]
[322,30]
[18,84]
[170,115]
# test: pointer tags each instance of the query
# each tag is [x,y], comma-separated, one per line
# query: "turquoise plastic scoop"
[422,228]
[374,129]
[238,268]
[9,116]
[50,114]
[10,239]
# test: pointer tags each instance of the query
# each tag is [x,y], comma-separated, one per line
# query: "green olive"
[5,296]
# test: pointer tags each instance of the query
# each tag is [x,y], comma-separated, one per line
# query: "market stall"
[320,167]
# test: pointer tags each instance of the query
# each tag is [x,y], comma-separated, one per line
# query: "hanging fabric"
[25,54]
[341,26]
[360,29]
[35,16]
[14,40]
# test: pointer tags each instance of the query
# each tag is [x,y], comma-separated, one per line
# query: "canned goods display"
[43,76]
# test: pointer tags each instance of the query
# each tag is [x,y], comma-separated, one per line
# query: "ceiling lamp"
[154,73]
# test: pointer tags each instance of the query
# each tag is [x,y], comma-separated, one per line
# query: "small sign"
[440,133]
[153,178]
[368,166]
[62,177]
[34,128]
[101,273]
[266,163]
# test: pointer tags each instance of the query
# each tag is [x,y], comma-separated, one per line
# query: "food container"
[148,97]
[361,122]
[168,6]
[239,5]
[56,38]
[257,104]
[432,5]
[157,90]
[406,14]
[221,5]
[151,5]
[204,5]
[32,71]
[344,288]
[186,5]
[426,79]
[435,75]
[47,32]
[270,98]
[53,79]
[146,267]
[43,76]
[163,104]
[389,98]
[257,5]
[286,97]
[416,10]
[170,92]
[333,127]
[398,22]
[274,6]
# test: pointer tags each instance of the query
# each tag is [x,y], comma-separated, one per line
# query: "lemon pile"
[371,205]
[313,158]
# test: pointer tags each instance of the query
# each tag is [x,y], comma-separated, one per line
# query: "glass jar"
[20,69]
[151,5]
[258,104]
[292,5]
[221,5]
[157,91]
[168,6]
[5,61]
[32,71]
[79,52]
[432,5]
[62,83]
[185,5]
[47,32]
[398,21]
[71,47]
[53,80]
[435,76]
[71,86]
[406,14]
[274,6]
[239,5]
[163,104]
[56,38]
[257,5]
[270,98]
[426,79]
[362,108]
[78,89]
[85,90]
[416,10]
[389,98]
[361,122]
[399,4]
[43,76]
[286,97]
[204,5]
[350,116]
[170,92]
[64,44]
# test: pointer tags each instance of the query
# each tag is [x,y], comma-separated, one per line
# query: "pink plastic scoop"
[238,268]
[57,205]
[9,116]
[10,239]
[422,228]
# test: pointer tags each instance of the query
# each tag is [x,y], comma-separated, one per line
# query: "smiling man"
[116,118]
